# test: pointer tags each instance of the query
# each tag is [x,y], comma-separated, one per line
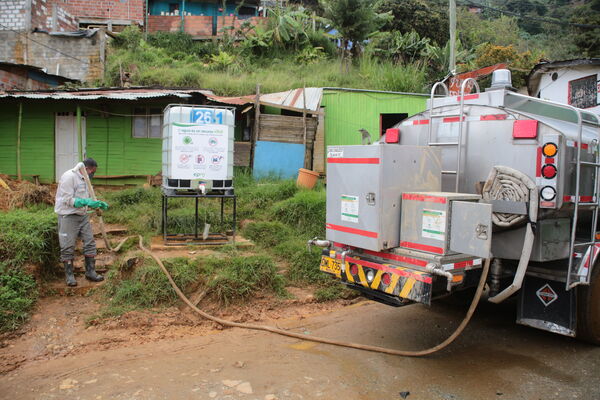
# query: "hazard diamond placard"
[546,294]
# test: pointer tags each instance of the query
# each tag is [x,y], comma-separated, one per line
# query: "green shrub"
[28,236]
[333,291]
[237,278]
[18,293]
[255,198]
[266,234]
[305,212]
[148,286]
[129,197]
[303,265]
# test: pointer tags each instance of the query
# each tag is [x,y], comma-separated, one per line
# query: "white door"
[66,142]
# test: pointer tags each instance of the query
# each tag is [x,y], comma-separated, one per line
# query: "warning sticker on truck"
[335,152]
[349,208]
[434,224]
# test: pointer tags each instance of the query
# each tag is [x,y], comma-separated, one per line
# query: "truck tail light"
[392,135]
[525,129]
[548,193]
[353,269]
[550,149]
[549,171]
[386,278]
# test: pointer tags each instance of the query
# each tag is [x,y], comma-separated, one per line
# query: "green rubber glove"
[78,203]
[98,204]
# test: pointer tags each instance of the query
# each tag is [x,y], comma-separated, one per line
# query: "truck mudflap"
[385,279]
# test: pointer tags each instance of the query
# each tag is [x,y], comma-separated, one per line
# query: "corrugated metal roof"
[291,99]
[238,101]
[295,98]
[36,69]
[108,94]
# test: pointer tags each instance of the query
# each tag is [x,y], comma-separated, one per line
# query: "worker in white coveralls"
[72,204]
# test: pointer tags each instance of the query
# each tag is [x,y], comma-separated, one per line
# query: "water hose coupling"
[436,269]
[317,242]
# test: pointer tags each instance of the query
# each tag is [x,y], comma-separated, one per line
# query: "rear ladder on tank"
[582,253]
[461,124]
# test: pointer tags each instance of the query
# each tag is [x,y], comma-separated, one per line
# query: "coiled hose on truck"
[508,184]
[265,328]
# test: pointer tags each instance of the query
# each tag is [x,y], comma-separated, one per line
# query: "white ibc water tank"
[198,147]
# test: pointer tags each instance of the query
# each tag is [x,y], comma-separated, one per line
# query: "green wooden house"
[42,134]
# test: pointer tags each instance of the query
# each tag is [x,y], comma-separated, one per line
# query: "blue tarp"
[278,159]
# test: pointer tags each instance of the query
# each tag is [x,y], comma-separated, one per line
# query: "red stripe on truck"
[353,231]
[385,268]
[492,117]
[348,160]
[421,122]
[421,197]
[423,247]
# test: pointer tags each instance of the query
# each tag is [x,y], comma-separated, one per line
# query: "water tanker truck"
[492,175]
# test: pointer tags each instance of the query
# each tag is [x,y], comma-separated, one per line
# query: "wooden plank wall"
[319,150]
[286,129]
[241,154]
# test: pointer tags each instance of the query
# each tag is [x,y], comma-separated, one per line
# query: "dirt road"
[493,359]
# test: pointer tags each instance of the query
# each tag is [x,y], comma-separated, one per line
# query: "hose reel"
[508,184]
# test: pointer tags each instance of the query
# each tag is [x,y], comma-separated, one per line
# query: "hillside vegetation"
[403,46]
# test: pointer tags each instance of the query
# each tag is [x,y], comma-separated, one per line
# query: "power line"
[46,46]
[514,14]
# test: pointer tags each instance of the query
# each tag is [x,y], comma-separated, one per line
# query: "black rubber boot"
[70,278]
[90,270]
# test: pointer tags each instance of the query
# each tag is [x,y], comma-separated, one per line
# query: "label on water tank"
[199,151]
[349,208]
[434,224]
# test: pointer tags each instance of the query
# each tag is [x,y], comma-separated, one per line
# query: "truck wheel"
[588,309]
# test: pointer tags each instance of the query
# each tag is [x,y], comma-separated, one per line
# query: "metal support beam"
[79,134]
[19,123]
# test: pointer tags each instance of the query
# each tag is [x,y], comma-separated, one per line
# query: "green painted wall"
[8,138]
[37,141]
[346,112]
[111,143]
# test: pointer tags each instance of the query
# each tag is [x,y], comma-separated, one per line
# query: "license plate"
[330,265]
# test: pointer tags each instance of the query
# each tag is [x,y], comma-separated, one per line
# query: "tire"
[588,309]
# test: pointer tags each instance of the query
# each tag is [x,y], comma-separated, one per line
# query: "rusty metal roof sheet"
[237,101]
[105,94]
[291,99]
[295,99]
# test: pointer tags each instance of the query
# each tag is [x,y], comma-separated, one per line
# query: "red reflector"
[548,171]
[354,269]
[392,135]
[525,129]
[386,279]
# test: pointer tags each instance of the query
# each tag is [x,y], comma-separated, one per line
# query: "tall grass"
[150,65]
[28,236]
[305,212]
[18,293]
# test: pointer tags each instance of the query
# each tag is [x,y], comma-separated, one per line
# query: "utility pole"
[452,14]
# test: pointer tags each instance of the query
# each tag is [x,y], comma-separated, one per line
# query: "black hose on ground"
[377,349]
[358,346]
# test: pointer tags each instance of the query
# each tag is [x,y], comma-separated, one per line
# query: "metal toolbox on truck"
[443,223]
[365,186]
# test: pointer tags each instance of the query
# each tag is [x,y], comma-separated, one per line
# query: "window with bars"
[147,123]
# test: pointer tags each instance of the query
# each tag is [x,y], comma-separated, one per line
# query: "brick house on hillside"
[199,18]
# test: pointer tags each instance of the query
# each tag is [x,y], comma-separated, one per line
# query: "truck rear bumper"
[390,280]
[396,279]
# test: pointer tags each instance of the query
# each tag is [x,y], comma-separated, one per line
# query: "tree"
[474,30]
[588,39]
[355,20]
[427,20]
